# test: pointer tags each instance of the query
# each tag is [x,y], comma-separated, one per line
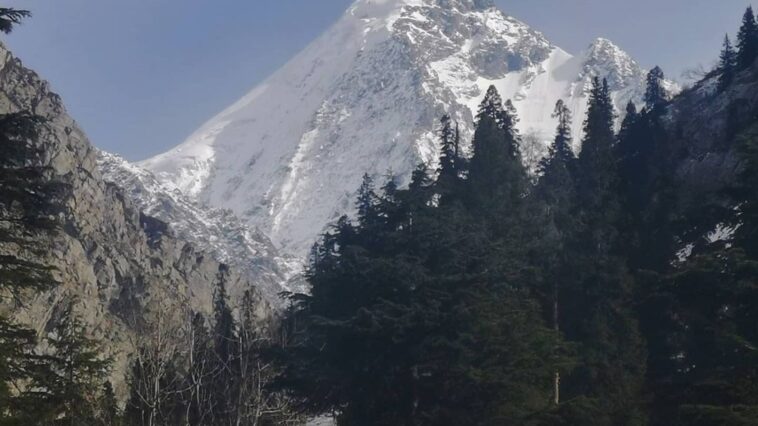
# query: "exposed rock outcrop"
[124,268]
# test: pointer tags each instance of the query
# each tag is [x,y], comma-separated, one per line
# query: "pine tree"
[556,193]
[30,202]
[448,148]
[727,64]
[702,335]
[77,370]
[746,191]
[17,365]
[655,93]
[108,412]
[389,205]
[596,309]
[9,18]
[449,172]
[747,40]
[497,176]
[597,158]
[491,106]
[560,154]
[225,383]
[367,202]
[627,127]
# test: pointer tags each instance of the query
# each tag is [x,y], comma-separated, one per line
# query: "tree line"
[476,297]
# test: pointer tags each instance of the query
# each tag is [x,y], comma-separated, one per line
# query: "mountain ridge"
[365,97]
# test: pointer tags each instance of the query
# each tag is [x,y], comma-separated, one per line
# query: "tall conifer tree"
[31,198]
[747,39]
[449,172]
[655,93]
[78,369]
[556,194]
[727,64]
[497,177]
[224,384]
[10,17]
[597,310]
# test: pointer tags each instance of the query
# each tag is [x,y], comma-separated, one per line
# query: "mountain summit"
[366,96]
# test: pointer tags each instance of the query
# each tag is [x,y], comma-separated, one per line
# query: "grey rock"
[123,267]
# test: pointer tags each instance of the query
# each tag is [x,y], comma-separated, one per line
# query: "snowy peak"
[606,60]
[366,97]
[497,43]
[376,7]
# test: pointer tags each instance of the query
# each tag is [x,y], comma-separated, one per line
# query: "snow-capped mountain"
[214,231]
[366,96]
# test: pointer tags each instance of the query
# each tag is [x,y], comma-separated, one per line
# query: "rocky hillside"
[124,268]
[215,231]
[703,124]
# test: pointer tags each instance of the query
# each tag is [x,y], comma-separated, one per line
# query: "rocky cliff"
[124,268]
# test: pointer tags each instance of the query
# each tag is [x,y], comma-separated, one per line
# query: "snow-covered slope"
[214,231]
[366,96]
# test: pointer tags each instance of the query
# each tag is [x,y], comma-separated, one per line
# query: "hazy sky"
[141,75]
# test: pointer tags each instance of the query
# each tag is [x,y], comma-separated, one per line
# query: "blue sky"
[141,75]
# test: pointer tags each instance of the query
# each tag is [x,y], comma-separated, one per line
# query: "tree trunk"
[557,379]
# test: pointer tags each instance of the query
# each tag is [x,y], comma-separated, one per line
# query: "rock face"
[366,96]
[214,231]
[122,266]
[704,125]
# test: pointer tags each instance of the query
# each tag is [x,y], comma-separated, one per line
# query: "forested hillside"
[618,287]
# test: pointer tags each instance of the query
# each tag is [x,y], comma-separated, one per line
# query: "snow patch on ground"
[722,232]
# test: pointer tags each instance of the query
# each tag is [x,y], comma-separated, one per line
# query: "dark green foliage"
[597,158]
[557,170]
[497,177]
[71,383]
[9,18]
[597,309]
[107,407]
[449,148]
[705,362]
[727,64]
[367,202]
[747,191]
[17,365]
[655,93]
[30,196]
[699,317]
[423,316]
[555,196]
[452,165]
[747,40]
[645,189]
[225,351]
